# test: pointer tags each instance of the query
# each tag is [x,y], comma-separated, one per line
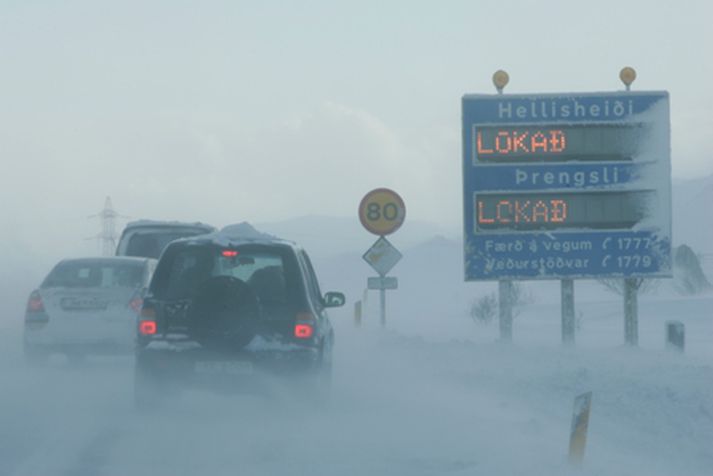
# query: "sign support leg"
[357,314]
[568,311]
[382,305]
[505,309]
[631,312]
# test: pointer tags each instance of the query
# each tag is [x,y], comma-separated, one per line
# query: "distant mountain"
[324,236]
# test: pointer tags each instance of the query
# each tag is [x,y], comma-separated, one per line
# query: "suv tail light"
[34,303]
[304,327]
[303,331]
[147,328]
[147,321]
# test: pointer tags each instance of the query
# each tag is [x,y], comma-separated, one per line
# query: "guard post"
[675,336]
[357,314]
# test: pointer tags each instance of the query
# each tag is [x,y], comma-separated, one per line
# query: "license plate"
[218,367]
[83,304]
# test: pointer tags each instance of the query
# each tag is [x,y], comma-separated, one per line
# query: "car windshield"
[95,274]
[150,244]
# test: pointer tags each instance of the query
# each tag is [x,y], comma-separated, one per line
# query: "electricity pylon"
[107,236]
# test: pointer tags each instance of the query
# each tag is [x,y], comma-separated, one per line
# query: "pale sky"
[224,111]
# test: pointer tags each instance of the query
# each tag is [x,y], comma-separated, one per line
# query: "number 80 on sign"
[382,211]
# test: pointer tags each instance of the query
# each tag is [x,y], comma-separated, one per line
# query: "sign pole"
[631,285]
[382,305]
[631,311]
[567,311]
[357,314]
[505,309]
[500,80]
[382,212]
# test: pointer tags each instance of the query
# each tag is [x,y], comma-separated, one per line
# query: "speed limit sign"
[382,211]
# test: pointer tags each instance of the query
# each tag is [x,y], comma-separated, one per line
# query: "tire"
[224,314]
[35,356]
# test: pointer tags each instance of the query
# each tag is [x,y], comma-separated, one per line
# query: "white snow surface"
[432,394]
[404,402]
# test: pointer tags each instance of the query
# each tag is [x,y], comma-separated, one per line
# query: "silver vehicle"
[86,306]
[148,238]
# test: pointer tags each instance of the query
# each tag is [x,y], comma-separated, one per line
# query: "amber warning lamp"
[500,80]
[627,76]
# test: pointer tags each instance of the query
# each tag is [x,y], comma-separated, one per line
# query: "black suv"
[230,309]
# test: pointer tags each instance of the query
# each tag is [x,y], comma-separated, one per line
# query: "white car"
[86,306]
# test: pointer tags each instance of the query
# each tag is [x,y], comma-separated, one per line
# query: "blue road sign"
[567,185]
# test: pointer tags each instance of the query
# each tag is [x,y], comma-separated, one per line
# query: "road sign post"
[567,311]
[631,311]
[505,295]
[382,212]
[567,186]
[357,314]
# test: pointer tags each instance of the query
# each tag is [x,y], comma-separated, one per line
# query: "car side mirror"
[334,299]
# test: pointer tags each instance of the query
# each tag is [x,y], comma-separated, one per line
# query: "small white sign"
[382,256]
[386,282]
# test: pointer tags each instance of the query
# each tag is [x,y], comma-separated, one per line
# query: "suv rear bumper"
[203,367]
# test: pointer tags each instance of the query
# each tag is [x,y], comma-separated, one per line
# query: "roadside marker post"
[578,431]
[675,336]
[357,314]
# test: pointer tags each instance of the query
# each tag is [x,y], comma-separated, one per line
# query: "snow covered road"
[400,406]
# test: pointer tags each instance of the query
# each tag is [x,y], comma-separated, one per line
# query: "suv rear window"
[271,272]
[150,244]
[92,274]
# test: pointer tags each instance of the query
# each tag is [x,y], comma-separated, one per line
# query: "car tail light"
[35,304]
[135,304]
[147,321]
[304,327]
[229,253]
[303,331]
[147,328]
